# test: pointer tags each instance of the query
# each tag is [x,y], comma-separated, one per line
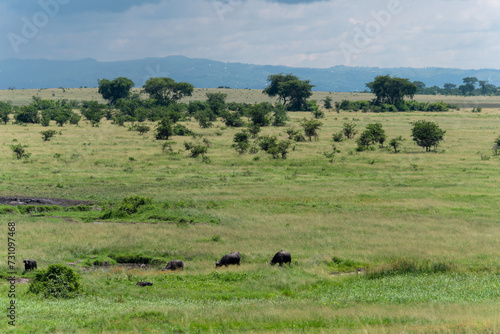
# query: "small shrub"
[20,151]
[181,130]
[198,150]
[47,135]
[338,137]
[142,129]
[348,130]
[131,204]
[57,281]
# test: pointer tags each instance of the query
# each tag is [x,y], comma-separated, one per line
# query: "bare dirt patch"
[21,200]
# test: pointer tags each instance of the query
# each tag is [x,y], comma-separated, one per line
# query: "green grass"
[436,213]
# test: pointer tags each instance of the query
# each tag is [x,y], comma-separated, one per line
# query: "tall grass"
[424,225]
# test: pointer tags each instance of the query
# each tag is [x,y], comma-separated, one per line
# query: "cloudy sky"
[306,33]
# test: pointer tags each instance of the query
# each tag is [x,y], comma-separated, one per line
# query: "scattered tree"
[142,129]
[166,90]
[496,145]
[259,113]
[295,135]
[164,129]
[20,151]
[216,102]
[327,102]
[280,116]
[116,89]
[311,128]
[28,114]
[377,132]
[469,85]
[254,129]
[241,142]
[280,149]
[5,110]
[395,143]
[291,91]
[427,134]
[391,90]
[348,130]
[93,111]
[365,140]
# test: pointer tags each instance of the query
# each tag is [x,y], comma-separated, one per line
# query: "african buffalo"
[29,264]
[174,265]
[233,258]
[144,284]
[281,257]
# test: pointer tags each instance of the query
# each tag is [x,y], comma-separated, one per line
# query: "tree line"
[163,106]
[471,86]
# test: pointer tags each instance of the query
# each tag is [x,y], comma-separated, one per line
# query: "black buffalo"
[233,258]
[29,264]
[174,265]
[144,284]
[281,257]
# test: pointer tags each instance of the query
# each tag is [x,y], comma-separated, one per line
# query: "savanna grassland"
[435,214]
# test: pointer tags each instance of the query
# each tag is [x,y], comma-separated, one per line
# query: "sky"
[300,33]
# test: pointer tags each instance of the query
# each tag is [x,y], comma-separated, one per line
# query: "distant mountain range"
[204,73]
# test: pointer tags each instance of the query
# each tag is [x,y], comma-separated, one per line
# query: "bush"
[20,151]
[181,130]
[128,206]
[131,204]
[327,102]
[338,137]
[57,281]
[164,129]
[5,110]
[28,114]
[311,128]
[47,135]
[348,130]
[241,142]
[142,129]
[280,116]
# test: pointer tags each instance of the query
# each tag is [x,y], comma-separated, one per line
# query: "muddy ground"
[21,200]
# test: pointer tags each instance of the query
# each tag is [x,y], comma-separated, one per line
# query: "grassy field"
[24,96]
[366,210]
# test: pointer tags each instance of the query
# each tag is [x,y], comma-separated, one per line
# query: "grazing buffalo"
[281,257]
[233,258]
[144,284]
[174,265]
[29,264]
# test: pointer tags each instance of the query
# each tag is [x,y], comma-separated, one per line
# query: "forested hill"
[204,73]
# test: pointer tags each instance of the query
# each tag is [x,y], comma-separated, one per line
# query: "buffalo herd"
[228,259]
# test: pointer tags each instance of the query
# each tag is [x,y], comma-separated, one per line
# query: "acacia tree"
[496,145]
[311,128]
[391,90]
[469,85]
[5,110]
[166,90]
[291,91]
[113,90]
[427,134]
